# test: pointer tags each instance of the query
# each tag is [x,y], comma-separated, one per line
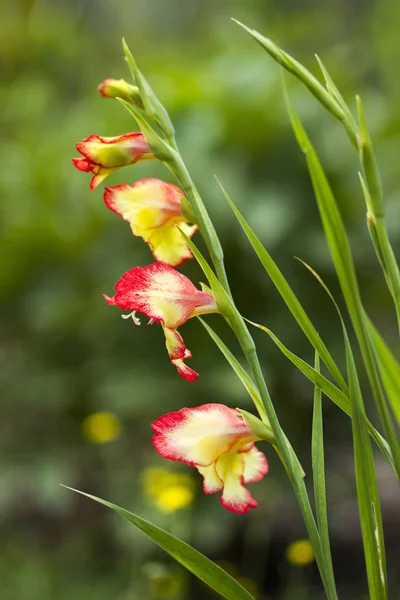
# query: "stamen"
[132,315]
[151,321]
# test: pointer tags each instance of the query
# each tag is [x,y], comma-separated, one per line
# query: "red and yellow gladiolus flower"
[152,208]
[216,440]
[103,155]
[168,297]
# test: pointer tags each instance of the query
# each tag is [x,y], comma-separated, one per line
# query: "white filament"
[132,315]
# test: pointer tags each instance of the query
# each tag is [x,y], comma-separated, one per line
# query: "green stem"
[351,130]
[206,227]
[283,446]
[358,318]
[360,139]
[286,454]
[372,188]
[342,258]
[358,134]
[385,253]
[373,193]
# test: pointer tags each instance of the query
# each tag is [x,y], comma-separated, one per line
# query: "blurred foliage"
[65,354]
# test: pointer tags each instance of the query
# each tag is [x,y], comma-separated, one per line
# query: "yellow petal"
[100,173]
[146,204]
[212,483]
[168,245]
[198,435]
[230,469]
[255,465]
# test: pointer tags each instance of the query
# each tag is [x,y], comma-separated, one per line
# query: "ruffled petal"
[116,151]
[255,465]
[146,204]
[184,371]
[161,293]
[82,164]
[152,207]
[198,436]
[168,245]
[175,345]
[178,353]
[100,173]
[102,155]
[230,469]
[212,483]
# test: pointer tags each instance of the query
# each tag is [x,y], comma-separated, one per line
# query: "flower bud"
[261,430]
[103,155]
[119,88]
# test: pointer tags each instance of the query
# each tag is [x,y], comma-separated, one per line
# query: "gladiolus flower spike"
[153,210]
[103,155]
[216,440]
[168,297]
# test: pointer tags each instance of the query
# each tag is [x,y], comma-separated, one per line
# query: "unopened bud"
[119,88]
[260,429]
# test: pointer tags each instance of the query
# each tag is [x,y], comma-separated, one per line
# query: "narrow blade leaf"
[298,70]
[330,390]
[348,119]
[341,254]
[226,306]
[389,369]
[288,295]
[367,489]
[224,301]
[381,442]
[236,366]
[191,559]
[318,468]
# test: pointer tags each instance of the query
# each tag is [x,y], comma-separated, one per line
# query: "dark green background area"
[65,354]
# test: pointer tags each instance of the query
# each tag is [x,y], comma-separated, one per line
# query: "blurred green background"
[65,355]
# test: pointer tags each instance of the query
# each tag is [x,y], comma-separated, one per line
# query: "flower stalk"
[173,160]
[217,440]
[171,157]
[206,227]
[358,134]
[268,415]
[373,194]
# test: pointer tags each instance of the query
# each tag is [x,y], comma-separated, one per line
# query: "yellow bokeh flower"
[101,427]
[174,498]
[300,553]
[167,490]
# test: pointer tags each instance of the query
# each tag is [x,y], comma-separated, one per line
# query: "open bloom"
[103,155]
[168,297]
[216,440]
[152,208]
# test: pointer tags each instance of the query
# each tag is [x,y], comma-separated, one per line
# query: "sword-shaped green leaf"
[318,468]
[330,390]
[195,562]
[341,254]
[389,369]
[367,489]
[288,295]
